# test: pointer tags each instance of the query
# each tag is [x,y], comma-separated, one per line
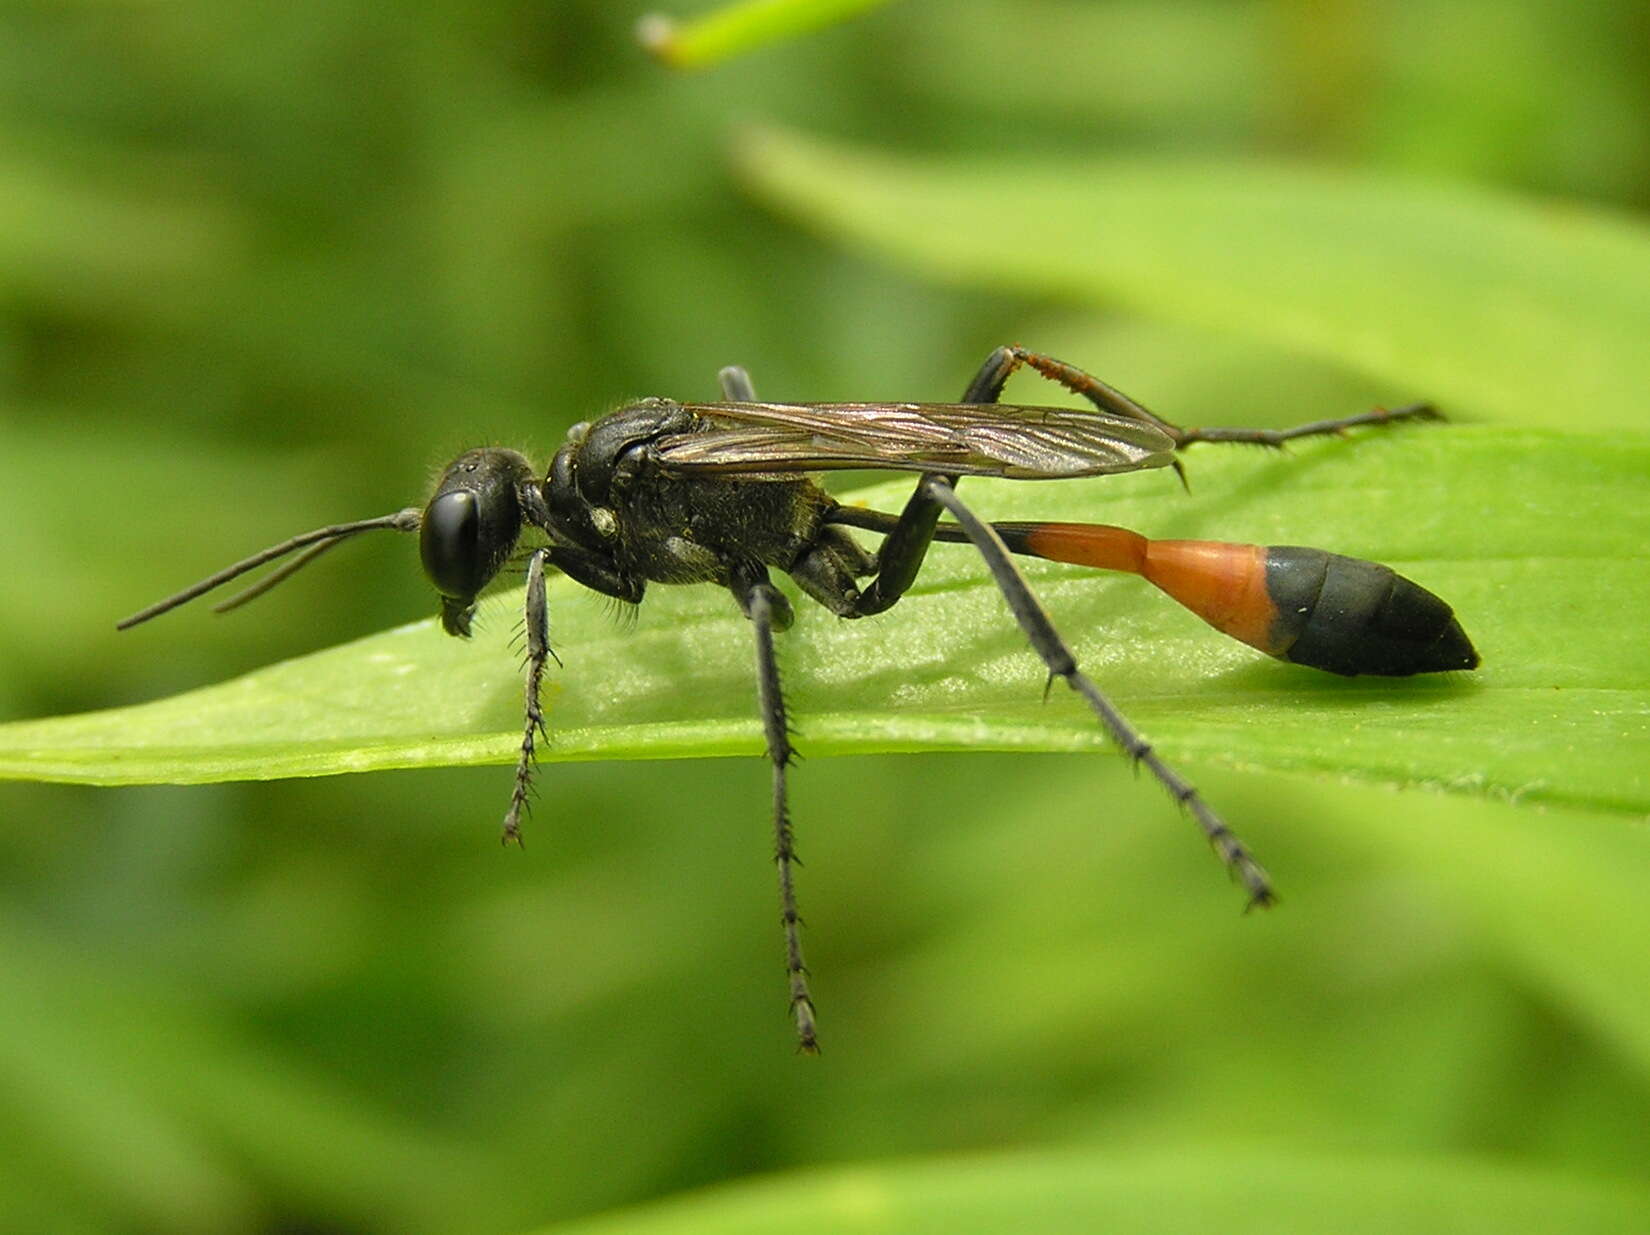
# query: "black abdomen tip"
[1349,616]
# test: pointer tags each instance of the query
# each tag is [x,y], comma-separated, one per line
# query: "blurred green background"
[262,268]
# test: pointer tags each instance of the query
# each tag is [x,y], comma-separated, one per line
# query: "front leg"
[594,572]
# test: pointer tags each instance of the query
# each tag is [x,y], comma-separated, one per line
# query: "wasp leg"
[1110,399]
[902,552]
[536,614]
[736,385]
[593,572]
[1105,397]
[1039,630]
[828,568]
[768,611]
[1317,428]
[596,572]
[905,546]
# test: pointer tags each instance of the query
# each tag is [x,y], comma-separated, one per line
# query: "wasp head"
[470,528]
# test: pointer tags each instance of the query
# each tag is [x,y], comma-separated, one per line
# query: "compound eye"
[448,541]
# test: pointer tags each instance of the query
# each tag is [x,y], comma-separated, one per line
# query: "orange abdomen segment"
[1082,544]
[1224,584]
[1339,614]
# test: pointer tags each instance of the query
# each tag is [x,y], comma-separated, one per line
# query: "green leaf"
[1536,538]
[1495,306]
[1556,896]
[735,29]
[1215,1189]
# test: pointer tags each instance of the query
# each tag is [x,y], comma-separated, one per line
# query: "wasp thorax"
[470,527]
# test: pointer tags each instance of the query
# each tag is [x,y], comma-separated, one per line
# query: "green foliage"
[950,670]
[1244,1194]
[265,266]
[1519,311]
[736,29]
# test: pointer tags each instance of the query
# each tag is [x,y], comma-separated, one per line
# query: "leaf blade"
[1494,305]
[1216,1189]
[1553,716]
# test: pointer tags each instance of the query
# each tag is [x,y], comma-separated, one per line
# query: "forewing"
[962,439]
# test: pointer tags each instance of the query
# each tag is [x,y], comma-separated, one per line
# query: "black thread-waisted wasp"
[667,492]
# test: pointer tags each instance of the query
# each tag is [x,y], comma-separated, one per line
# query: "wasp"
[726,493]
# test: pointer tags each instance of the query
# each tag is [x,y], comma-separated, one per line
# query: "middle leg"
[768,611]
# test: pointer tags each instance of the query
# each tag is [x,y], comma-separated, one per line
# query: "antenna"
[317,542]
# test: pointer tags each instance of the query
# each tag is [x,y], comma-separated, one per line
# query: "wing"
[960,439]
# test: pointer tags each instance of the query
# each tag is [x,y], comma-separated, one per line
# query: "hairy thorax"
[688,529]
